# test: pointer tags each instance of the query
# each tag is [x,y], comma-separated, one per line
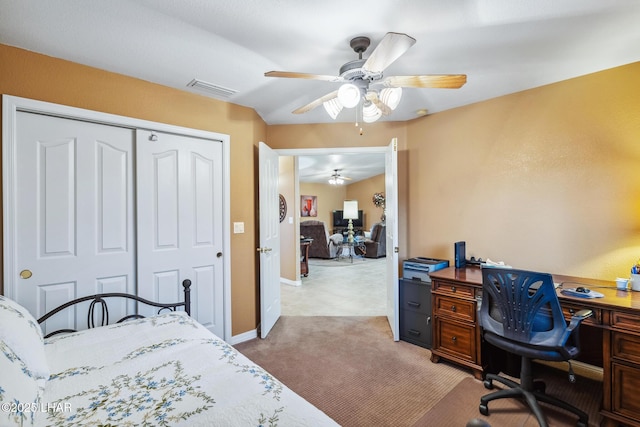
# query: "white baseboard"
[246,336]
[291,282]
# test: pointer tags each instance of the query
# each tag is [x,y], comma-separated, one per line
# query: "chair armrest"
[336,239]
[574,324]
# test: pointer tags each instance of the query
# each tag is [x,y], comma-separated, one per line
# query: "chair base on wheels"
[532,392]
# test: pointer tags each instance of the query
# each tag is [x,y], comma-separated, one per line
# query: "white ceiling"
[503,46]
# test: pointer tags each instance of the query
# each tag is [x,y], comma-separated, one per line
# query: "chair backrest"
[521,306]
[377,232]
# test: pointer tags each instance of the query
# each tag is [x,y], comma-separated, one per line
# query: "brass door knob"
[25,274]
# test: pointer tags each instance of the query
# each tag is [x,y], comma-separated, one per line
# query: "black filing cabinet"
[415,312]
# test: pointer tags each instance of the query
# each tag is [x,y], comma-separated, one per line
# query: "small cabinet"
[456,336]
[415,312]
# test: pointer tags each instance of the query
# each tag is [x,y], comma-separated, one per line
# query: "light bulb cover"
[333,107]
[391,96]
[349,95]
[370,113]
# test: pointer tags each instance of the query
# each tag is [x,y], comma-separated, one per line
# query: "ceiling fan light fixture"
[391,96]
[333,107]
[370,113]
[349,95]
[336,180]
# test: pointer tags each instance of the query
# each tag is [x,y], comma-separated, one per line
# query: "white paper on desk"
[490,263]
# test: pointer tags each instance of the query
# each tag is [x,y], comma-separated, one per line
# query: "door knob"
[25,274]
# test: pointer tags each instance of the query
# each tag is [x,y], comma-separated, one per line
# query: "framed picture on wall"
[308,206]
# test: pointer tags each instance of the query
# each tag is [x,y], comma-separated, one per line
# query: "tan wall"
[35,76]
[329,197]
[546,179]
[289,248]
[363,192]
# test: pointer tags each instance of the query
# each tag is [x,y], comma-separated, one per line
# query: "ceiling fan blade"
[392,46]
[294,75]
[316,103]
[444,81]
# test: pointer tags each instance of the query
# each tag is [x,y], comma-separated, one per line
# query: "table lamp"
[350,212]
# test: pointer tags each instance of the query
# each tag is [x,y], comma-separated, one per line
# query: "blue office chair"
[520,313]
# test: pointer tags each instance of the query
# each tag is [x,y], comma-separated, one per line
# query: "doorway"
[371,267]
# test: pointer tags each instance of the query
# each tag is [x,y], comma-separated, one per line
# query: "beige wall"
[40,77]
[546,179]
[289,250]
[329,197]
[363,192]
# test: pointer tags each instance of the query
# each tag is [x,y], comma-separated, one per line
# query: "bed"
[162,370]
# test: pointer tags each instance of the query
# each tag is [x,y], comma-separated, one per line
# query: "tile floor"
[338,288]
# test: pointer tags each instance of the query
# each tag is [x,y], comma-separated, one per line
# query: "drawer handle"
[414,332]
[453,289]
[453,308]
[428,319]
[413,304]
[454,339]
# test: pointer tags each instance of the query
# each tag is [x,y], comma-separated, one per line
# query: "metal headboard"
[99,299]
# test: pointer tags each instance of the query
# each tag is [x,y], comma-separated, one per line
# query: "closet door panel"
[73,211]
[179,186]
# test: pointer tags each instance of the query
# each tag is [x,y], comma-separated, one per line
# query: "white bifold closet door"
[102,208]
[74,213]
[179,212]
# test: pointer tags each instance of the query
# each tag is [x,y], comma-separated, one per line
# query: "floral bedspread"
[163,371]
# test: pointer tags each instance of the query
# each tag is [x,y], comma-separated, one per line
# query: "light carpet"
[351,369]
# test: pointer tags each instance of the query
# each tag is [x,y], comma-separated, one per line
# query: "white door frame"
[10,107]
[341,150]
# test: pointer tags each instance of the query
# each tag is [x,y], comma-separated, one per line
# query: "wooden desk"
[456,293]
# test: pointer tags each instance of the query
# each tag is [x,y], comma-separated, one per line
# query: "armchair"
[376,245]
[323,245]
[520,313]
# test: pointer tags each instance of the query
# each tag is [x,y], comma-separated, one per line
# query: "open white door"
[391,221]
[269,249]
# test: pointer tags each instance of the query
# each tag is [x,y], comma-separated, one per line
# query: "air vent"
[211,88]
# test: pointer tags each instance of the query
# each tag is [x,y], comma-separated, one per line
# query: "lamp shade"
[350,209]
[370,113]
[333,107]
[391,96]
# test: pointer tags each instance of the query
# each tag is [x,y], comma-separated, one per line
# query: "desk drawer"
[624,320]
[626,399]
[457,308]
[415,328]
[415,296]
[625,347]
[456,289]
[457,339]
[569,310]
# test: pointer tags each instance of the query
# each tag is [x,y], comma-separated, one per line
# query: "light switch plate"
[238,227]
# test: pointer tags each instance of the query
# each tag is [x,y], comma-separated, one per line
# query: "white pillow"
[19,391]
[23,336]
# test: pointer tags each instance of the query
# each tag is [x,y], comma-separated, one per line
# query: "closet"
[94,203]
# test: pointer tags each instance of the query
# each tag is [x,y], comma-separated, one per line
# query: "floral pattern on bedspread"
[190,378]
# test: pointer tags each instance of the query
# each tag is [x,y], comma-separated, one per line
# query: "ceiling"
[503,46]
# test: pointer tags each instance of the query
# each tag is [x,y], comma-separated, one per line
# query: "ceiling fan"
[363,80]
[337,179]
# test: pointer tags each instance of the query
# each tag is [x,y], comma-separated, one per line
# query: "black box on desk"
[418,268]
